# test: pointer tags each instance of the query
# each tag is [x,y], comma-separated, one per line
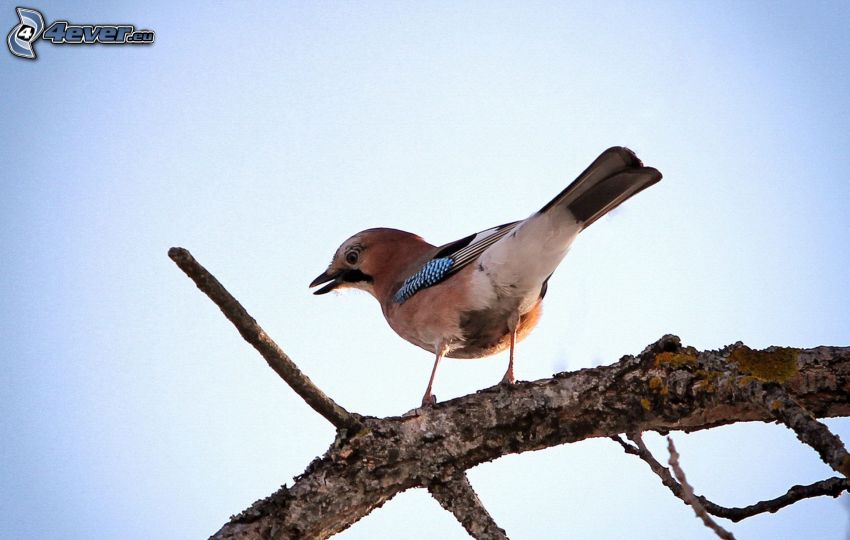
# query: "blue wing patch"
[430,274]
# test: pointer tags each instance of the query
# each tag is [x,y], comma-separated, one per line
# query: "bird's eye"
[351,257]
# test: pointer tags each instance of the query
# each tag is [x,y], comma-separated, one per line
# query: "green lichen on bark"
[777,364]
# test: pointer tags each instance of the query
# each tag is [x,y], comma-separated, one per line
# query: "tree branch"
[639,449]
[256,336]
[832,487]
[816,434]
[688,494]
[667,387]
[457,496]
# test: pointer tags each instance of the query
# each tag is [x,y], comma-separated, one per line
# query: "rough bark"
[665,388]
[457,496]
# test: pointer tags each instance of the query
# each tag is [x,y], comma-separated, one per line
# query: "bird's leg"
[429,398]
[513,322]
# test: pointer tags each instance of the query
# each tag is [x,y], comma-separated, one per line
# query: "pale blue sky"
[260,136]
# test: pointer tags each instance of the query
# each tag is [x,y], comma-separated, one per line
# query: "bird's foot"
[429,400]
[508,379]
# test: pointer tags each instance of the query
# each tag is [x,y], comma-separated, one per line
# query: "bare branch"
[256,336]
[627,448]
[679,485]
[668,387]
[660,470]
[832,487]
[688,494]
[816,434]
[458,497]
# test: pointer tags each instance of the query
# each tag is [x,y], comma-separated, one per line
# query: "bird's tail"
[615,176]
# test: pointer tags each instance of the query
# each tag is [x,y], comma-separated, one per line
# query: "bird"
[482,294]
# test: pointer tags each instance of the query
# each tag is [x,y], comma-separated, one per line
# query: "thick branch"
[458,497]
[667,387]
[816,434]
[256,336]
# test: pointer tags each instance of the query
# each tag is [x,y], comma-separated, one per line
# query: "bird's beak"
[325,277]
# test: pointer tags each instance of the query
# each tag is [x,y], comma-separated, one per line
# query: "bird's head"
[371,260]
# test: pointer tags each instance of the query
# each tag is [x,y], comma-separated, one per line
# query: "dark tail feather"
[615,176]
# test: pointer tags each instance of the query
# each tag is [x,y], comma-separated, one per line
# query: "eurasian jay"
[481,294]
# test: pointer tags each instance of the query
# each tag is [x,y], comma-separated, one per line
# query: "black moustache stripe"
[355,276]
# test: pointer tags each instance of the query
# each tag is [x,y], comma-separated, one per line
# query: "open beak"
[325,277]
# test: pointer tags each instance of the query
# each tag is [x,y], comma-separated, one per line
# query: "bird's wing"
[467,249]
[450,258]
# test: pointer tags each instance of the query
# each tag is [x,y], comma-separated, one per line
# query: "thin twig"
[627,448]
[690,498]
[660,470]
[831,487]
[256,336]
[458,497]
